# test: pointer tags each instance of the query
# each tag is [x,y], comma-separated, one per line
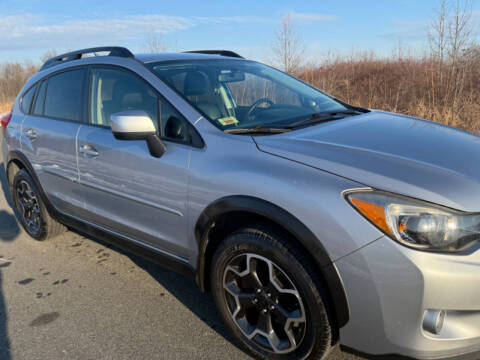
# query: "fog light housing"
[433,321]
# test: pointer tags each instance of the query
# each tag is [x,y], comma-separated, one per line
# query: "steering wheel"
[255,105]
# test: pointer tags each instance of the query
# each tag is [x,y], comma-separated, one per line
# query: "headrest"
[195,84]
[132,99]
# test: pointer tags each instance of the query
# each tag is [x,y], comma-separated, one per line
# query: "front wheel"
[270,296]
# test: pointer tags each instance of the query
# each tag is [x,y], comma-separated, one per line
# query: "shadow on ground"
[183,288]
[9,230]
[3,179]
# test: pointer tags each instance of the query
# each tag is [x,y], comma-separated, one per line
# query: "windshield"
[243,94]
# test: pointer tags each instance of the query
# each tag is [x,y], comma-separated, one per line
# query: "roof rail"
[75,55]
[216,52]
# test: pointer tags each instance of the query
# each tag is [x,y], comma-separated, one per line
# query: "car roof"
[148,58]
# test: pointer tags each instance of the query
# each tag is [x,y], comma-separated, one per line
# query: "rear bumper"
[393,290]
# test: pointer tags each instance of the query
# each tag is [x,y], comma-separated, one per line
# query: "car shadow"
[9,230]
[5,188]
[188,293]
[181,287]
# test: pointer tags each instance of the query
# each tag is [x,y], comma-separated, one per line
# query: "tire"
[30,209]
[233,283]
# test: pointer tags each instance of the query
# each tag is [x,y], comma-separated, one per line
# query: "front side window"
[114,91]
[63,98]
[27,99]
[243,94]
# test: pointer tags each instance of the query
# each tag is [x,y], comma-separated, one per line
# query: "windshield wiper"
[257,130]
[322,117]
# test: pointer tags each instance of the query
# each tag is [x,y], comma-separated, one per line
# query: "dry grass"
[418,87]
[12,78]
[5,107]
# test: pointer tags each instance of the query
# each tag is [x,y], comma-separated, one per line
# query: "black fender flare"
[18,156]
[291,224]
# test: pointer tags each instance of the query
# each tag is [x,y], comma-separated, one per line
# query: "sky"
[28,29]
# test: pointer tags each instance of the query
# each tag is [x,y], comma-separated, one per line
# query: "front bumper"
[391,289]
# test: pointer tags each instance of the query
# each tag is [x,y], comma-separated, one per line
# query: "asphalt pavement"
[75,297]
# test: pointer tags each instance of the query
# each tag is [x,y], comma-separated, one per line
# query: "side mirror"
[137,125]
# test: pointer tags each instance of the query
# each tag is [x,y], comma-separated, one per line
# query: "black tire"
[265,242]
[45,227]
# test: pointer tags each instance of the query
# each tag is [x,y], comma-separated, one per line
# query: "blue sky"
[29,28]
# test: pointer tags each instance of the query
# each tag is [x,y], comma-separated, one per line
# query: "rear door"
[48,136]
[126,189]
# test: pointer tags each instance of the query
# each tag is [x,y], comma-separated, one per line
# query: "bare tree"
[450,35]
[287,47]
[48,55]
[437,33]
[155,44]
[460,29]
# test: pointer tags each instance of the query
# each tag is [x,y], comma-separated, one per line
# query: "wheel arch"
[16,161]
[213,224]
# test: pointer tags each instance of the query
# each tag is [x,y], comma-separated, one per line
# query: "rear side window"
[40,100]
[27,99]
[64,95]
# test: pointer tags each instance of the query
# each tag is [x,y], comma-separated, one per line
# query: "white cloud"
[34,31]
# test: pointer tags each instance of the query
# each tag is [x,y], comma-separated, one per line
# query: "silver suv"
[312,221]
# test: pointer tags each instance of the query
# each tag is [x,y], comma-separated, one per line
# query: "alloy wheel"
[264,303]
[28,206]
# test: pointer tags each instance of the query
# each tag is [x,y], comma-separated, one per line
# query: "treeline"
[426,87]
[13,76]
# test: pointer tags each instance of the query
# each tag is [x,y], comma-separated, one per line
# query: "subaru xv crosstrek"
[312,221]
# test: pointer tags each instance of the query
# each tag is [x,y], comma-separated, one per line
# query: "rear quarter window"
[40,99]
[27,99]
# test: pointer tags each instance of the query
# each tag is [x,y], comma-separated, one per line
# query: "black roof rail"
[217,52]
[75,55]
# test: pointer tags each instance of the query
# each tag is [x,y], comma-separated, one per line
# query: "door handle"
[30,133]
[88,150]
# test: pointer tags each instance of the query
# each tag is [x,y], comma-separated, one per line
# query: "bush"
[419,87]
[12,78]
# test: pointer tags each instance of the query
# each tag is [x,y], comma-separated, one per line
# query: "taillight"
[5,120]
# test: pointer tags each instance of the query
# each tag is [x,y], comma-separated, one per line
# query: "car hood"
[396,153]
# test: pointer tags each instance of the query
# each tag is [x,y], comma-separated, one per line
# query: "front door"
[126,189]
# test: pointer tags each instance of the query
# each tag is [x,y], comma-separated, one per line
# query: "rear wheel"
[31,210]
[270,296]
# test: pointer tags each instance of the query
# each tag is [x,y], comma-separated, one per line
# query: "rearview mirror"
[231,76]
[137,125]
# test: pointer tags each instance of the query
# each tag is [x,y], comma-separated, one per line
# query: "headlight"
[416,223]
